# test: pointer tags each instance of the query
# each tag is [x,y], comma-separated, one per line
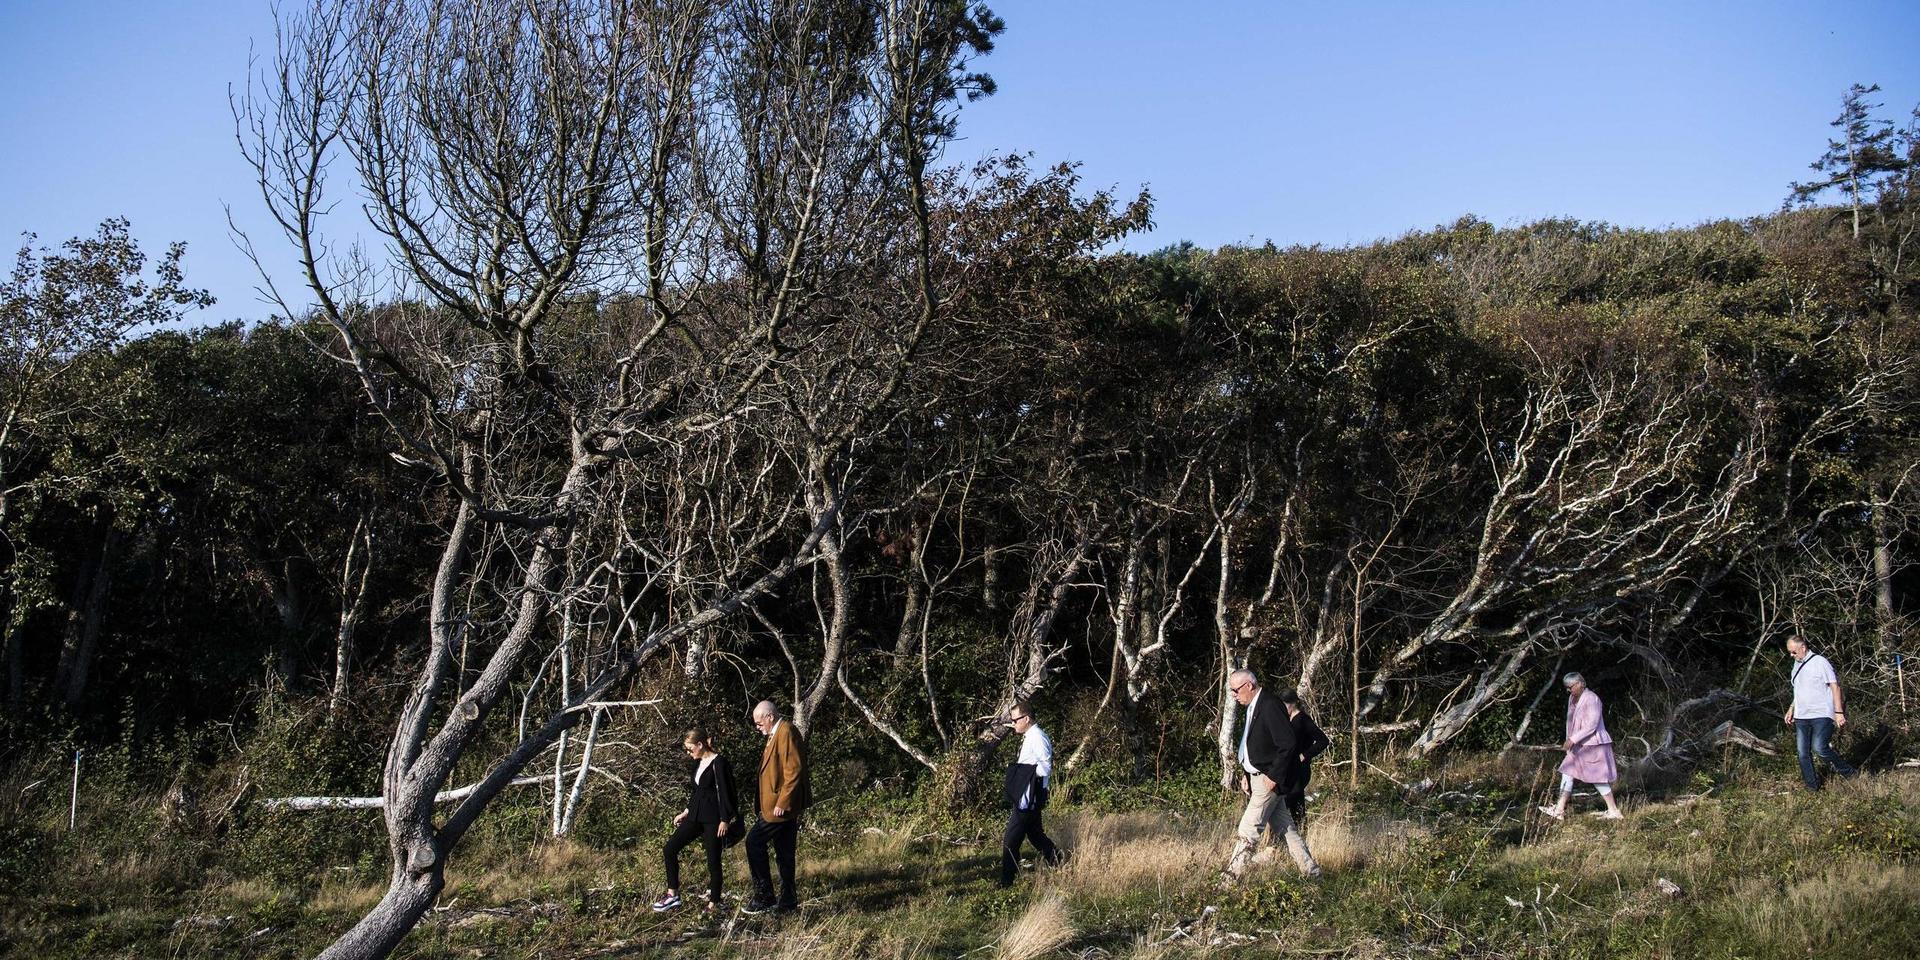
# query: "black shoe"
[785,906]
[757,905]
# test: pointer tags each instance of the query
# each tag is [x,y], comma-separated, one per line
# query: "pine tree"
[1863,153]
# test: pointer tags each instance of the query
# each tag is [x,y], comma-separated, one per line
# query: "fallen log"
[375,803]
[1693,729]
[1728,733]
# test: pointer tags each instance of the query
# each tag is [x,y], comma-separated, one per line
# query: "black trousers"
[686,834]
[1297,800]
[1023,825]
[781,835]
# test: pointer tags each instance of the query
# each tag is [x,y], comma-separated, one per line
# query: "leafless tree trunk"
[353,609]
[838,618]
[283,589]
[1526,719]
[1886,621]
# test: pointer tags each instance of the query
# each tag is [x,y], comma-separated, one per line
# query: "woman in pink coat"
[1589,749]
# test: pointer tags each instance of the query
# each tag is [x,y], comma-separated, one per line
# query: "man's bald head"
[1243,686]
[765,716]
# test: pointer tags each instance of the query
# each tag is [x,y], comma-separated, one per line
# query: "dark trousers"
[1023,825]
[782,836]
[1297,800]
[685,834]
[1812,737]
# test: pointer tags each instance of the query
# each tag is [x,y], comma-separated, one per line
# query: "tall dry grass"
[346,896]
[1846,902]
[1044,928]
[1342,841]
[834,937]
[871,849]
[549,865]
[1117,852]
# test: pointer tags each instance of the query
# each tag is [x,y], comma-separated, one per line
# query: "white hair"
[766,710]
[1235,678]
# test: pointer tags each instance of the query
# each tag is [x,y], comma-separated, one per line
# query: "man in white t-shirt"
[1818,708]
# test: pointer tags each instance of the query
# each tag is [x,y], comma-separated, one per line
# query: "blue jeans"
[1816,736]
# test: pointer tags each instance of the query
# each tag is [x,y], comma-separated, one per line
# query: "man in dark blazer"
[784,792]
[1270,760]
[1309,741]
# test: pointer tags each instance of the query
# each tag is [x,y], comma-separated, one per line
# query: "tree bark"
[914,577]
[84,620]
[1451,721]
[287,604]
[1885,626]
[353,608]
[839,617]
[419,874]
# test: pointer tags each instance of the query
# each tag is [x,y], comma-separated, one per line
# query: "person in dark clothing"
[1027,792]
[712,815]
[1309,741]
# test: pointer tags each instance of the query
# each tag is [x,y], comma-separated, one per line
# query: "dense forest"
[744,395]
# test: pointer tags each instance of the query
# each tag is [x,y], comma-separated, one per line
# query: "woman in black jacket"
[711,815]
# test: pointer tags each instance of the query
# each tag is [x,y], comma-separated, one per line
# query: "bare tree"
[609,226]
[1607,489]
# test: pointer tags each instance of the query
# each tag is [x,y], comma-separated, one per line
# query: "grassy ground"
[1749,868]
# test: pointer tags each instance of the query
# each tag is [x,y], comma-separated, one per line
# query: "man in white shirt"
[1027,793]
[1818,709]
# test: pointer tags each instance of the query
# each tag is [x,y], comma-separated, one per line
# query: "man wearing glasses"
[784,794]
[1027,793]
[1270,759]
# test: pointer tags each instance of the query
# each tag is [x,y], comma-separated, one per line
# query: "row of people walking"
[1277,745]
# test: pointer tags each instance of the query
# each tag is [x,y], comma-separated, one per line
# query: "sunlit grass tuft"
[1042,929]
[1115,853]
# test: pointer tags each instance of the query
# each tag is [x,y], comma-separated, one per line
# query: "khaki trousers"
[1267,808]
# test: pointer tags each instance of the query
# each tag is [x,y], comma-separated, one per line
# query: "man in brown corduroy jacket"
[783,794]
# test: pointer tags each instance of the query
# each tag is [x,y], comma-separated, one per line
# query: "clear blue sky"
[1300,122]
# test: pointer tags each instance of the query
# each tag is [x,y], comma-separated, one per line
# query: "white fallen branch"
[375,803]
[598,705]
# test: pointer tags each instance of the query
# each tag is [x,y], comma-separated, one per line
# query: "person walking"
[711,816]
[1028,779]
[1589,750]
[1309,741]
[783,795]
[1818,709]
[1270,760]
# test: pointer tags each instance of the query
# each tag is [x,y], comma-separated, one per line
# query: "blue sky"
[1300,122]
